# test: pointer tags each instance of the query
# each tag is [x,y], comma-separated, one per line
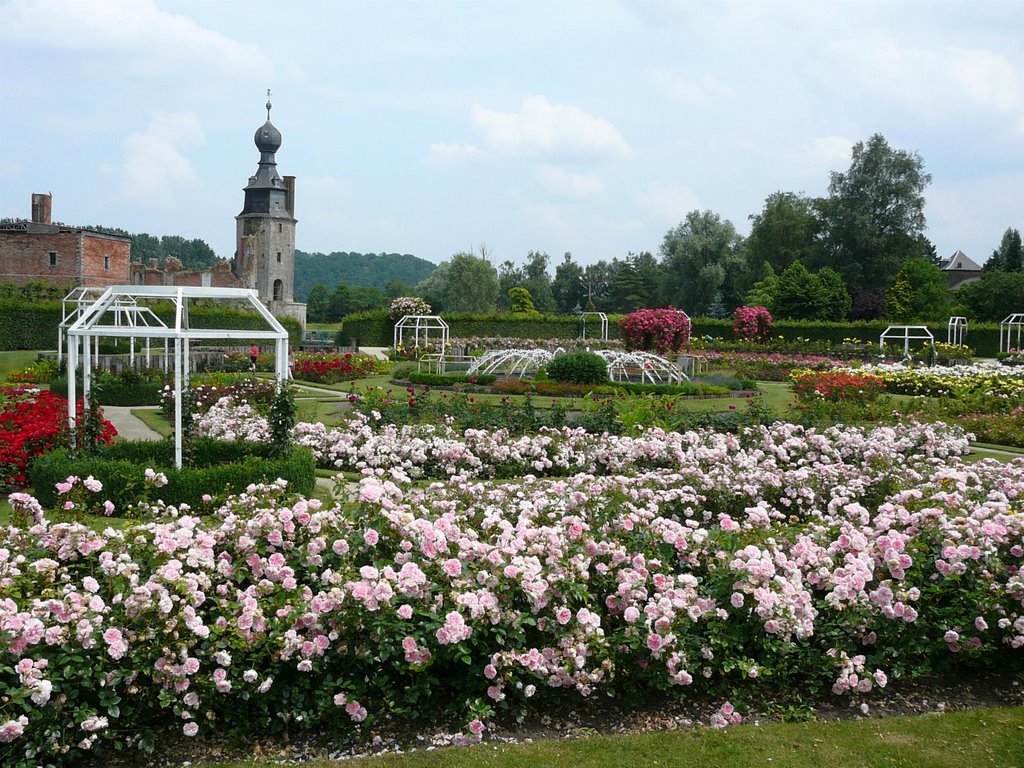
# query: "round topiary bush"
[578,368]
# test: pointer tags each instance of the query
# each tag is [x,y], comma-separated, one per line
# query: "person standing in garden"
[254,354]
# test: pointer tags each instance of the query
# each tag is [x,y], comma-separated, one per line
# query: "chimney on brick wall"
[289,201]
[42,207]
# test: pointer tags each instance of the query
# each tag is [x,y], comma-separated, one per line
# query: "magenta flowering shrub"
[837,559]
[664,331]
[751,323]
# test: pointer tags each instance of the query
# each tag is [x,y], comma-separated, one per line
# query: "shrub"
[664,331]
[837,386]
[751,323]
[228,467]
[449,379]
[578,368]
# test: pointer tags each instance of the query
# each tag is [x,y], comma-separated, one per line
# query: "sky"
[439,126]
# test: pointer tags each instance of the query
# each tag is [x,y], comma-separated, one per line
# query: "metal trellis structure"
[107,316]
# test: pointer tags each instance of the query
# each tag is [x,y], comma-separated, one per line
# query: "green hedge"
[113,391]
[449,379]
[29,326]
[375,329]
[229,467]
[34,326]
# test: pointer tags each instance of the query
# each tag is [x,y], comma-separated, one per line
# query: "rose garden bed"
[700,564]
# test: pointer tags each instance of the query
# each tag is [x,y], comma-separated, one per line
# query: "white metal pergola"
[955,330]
[600,316]
[421,324]
[906,334]
[126,312]
[105,316]
[1011,323]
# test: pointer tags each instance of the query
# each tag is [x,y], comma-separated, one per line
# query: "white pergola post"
[72,395]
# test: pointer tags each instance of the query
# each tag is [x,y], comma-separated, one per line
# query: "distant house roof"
[959,262]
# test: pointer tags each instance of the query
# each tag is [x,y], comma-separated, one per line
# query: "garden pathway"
[128,425]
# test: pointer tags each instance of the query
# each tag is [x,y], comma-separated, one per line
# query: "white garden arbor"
[126,311]
[1011,331]
[105,317]
[420,326]
[956,329]
[906,334]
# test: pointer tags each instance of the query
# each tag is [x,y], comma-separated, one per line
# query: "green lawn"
[984,737]
[15,361]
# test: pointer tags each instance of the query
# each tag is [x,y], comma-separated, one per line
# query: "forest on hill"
[370,270]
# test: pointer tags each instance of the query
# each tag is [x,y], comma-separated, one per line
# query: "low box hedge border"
[229,467]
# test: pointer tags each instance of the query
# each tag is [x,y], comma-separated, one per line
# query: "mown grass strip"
[984,737]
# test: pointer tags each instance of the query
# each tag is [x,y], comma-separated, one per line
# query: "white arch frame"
[956,329]
[418,323]
[126,310]
[907,333]
[604,324]
[1011,322]
[102,319]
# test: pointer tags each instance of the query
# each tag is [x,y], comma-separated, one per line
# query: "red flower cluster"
[662,330]
[326,368]
[32,423]
[751,323]
[837,386]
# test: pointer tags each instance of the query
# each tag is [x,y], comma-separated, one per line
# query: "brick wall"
[105,260]
[26,257]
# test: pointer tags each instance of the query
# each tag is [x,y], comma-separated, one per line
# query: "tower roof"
[267,138]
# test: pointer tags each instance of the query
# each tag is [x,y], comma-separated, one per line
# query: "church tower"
[265,229]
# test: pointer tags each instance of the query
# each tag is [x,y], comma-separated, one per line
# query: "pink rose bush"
[665,331]
[669,563]
[751,323]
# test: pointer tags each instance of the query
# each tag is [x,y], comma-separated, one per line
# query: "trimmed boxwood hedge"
[229,467]
[34,325]
[375,329]
[449,379]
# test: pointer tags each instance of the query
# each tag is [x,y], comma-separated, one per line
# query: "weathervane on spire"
[268,104]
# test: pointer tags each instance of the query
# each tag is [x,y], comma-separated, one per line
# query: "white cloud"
[669,202]
[826,153]
[549,217]
[155,171]
[567,183]
[941,83]
[543,129]
[441,152]
[690,89]
[155,40]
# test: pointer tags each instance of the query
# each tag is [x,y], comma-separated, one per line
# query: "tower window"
[106,263]
[53,258]
[278,257]
[279,227]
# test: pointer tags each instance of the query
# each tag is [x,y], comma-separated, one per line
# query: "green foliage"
[193,254]
[357,269]
[463,283]
[228,466]
[282,417]
[448,379]
[699,258]
[125,388]
[521,302]
[784,231]
[29,326]
[997,294]
[928,297]
[1009,256]
[873,218]
[578,368]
